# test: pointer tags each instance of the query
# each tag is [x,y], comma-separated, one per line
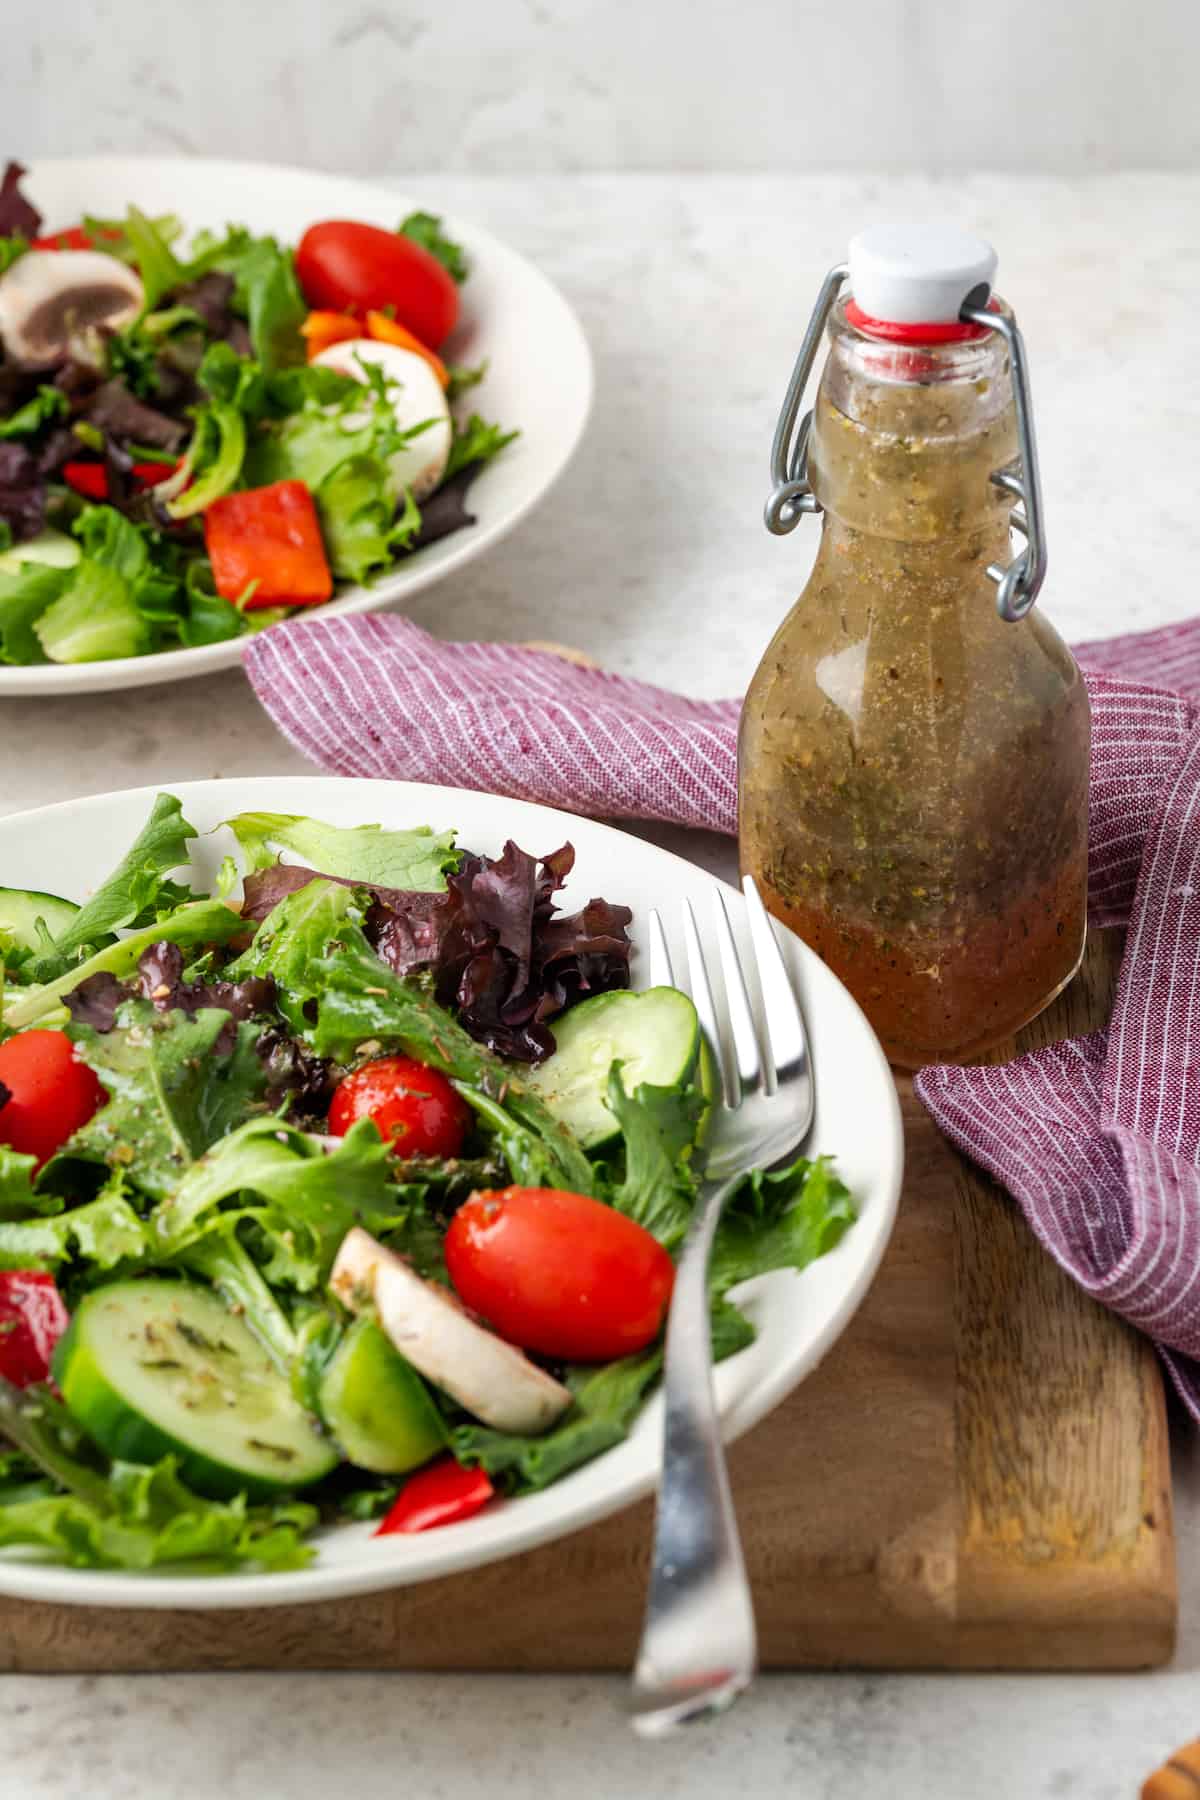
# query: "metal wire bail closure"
[791,492]
[1018,582]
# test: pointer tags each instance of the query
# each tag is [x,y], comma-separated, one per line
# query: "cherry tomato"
[413,1105]
[51,1093]
[348,268]
[559,1273]
[32,1319]
[442,1494]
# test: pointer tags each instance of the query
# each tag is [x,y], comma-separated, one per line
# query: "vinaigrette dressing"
[913,767]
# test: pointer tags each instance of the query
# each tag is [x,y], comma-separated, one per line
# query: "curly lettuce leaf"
[607,1400]
[173,1090]
[18,1198]
[474,444]
[139,888]
[47,405]
[301,1196]
[659,1127]
[131,1515]
[26,593]
[213,462]
[157,264]
[96,619]
[209,618]
[314,948]
[362,529]
[203,922]
[425,228]
[780,1220]
[314,420]
[116,597]
[102,1233]
[417,858]
[267,293]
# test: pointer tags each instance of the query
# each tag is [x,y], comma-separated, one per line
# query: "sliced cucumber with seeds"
[377,1406]
[20,910]
[151,1368]
[654,1035]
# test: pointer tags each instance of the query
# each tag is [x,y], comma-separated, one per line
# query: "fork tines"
[782,1036]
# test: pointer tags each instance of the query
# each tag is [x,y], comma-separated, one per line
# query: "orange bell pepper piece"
[321,329]
[269,536]
[390,331]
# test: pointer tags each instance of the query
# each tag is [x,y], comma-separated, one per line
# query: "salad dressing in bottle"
[913,760]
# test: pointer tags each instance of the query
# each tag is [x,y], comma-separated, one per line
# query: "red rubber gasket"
[896,332]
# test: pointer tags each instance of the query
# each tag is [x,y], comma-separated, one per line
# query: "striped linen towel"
[1098,1139]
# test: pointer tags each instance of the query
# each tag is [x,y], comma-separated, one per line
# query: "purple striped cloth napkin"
[1098,1139]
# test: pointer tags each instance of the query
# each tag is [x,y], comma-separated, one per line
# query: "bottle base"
[908,1060]
[951,999]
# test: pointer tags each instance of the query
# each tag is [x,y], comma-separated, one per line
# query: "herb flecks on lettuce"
[130,1515]
[314,947]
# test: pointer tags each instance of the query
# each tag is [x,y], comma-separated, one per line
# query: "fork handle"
[698,1648]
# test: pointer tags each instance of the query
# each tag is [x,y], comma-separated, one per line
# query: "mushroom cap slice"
[432,1329]
[49,299]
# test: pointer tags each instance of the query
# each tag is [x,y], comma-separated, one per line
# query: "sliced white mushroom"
[493,1380]
[416,395]
[53,301]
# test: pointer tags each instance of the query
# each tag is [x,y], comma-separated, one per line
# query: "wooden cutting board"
[976,1477]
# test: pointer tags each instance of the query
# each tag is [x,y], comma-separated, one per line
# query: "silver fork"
[698,1648]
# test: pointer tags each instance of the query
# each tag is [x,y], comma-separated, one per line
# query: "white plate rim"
[441,559]
[446,1554]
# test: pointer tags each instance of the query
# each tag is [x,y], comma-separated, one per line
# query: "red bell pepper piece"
[91,478]
[439,1495]
[270,536]
[32,1319]
[87,478]
[73,238]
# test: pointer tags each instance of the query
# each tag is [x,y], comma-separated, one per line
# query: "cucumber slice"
[157,1367]
[21,908]
[377,1406]
[53,549]
[654,1034]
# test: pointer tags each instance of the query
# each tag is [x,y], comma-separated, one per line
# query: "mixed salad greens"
[194,443]
[351,1190]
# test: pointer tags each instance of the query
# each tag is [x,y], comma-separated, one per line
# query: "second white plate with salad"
[208,1243]
[230,392]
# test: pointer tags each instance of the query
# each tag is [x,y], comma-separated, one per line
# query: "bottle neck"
[905,440]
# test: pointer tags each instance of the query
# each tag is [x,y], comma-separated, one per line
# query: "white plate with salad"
[344,1154]
[230,393]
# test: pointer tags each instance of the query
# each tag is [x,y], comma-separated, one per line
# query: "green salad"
[199,437]
[351,1190]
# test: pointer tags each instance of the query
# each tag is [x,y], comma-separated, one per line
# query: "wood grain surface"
[977,1476]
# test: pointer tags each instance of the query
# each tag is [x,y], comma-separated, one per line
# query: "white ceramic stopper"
[918,274]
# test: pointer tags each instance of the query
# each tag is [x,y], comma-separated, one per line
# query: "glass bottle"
[913,759]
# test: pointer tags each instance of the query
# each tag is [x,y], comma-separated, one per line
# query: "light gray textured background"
[500,86]
[652,556]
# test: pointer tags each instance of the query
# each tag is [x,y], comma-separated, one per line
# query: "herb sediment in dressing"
[914,769]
